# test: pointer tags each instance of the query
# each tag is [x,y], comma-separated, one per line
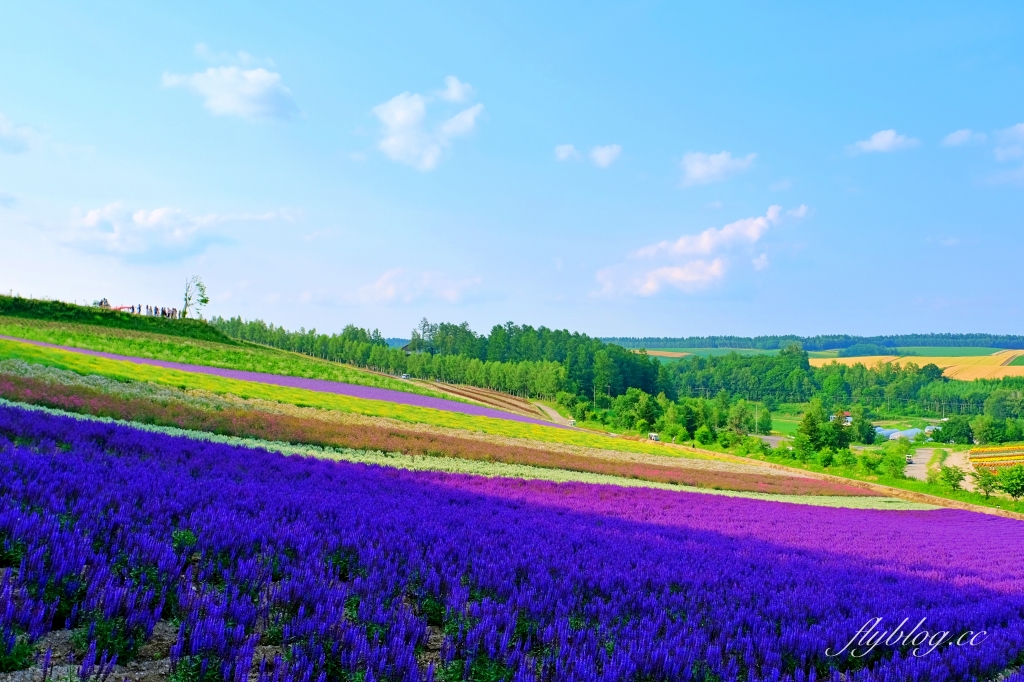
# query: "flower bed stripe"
[318,385]
[286,428]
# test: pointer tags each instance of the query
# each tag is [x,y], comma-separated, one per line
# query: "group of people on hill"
[153,311]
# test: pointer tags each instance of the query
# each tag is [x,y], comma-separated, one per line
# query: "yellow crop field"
[964,368]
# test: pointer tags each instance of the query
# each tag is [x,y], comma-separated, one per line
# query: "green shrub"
[952,477]
[846,458]
[183,540]
[986,481]
[18,657]
[1011,481]
[112,635]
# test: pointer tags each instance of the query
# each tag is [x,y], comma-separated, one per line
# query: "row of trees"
[823,342]
[513,358]
[592,367]
[700,419]
[905,388]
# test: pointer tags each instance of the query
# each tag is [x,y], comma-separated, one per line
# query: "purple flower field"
[319,385]
[320,571]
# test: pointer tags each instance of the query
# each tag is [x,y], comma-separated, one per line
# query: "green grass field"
[127,371]
[1017,362]
[945,351]
[243,356]
[785,427]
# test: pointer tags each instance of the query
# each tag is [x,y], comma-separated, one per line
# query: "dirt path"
[962,460]
[553,414]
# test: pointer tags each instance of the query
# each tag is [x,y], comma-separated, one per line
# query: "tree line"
[821,342]
[513,358]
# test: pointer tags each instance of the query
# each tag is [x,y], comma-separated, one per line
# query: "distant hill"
[58,311]
[825,342]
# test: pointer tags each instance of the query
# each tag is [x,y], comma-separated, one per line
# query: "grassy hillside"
[126,371]
[235,355]
[58,311]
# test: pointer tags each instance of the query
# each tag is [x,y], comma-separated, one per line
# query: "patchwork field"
[125,371]
[963,367]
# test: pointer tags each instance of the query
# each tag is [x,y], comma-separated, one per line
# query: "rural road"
[919,467]
[772,440]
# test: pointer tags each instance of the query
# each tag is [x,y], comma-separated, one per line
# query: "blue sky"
[613,168]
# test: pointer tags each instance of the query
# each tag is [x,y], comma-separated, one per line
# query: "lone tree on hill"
[195,296]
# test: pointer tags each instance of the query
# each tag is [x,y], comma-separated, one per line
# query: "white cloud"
[798,212]
[605,156]
[690,276]
[1012,143]
[1009,152]
[884,141]
[961,137]
[747,230]
[1013,133]
[565,152]
[405,136]
[692,262]
[400,285]
[461,123]
[240,58]
[159,234]
[15,139]
[1012,177]
[234,91]
[455,90]
[702,169]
